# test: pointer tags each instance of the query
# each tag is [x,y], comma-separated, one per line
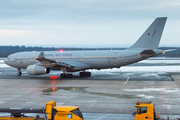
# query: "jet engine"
[37,70]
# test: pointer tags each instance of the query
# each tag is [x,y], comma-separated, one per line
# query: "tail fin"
[151,37]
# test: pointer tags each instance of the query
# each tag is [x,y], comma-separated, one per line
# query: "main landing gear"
[63,75]
[85,74]
[19,71]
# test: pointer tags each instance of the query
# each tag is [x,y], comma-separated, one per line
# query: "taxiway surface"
[101,94]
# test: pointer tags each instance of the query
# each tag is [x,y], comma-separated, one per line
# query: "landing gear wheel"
[81,74]
[66,76]
[84,74]
[69,75]
[62,75]
[88,74]
[19,73]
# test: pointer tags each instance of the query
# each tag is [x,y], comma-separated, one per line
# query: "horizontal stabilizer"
[170,50]
[147,52]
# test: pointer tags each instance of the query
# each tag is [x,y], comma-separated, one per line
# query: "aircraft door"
[12,58]
[81,57]
[121,55]
[33,57]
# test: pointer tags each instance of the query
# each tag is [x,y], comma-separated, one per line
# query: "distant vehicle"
[37,63]
[145,111]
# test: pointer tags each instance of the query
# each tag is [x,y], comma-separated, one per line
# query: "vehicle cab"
[62,112]
[145,111]
[66,113]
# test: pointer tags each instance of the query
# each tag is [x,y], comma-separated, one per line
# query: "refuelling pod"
[37,70]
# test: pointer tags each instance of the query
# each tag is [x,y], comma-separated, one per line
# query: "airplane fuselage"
[97,59]
[38,63]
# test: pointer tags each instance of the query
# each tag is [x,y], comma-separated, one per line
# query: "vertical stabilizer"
[151,37]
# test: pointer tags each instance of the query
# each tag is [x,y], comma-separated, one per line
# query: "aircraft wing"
[51,63]
[48,62]
[77,65]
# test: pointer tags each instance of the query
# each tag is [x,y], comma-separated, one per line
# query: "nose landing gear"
[19,71]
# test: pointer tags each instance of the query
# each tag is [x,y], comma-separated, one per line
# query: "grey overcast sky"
[85,23]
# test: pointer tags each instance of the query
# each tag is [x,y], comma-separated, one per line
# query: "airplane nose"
[6,61]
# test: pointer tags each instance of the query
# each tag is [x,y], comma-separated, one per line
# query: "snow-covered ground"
[158,65]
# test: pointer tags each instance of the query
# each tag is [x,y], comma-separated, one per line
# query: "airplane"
[38,63]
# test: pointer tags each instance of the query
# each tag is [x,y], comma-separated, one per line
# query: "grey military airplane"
[38,63]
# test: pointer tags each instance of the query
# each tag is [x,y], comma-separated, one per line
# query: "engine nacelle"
[37,70]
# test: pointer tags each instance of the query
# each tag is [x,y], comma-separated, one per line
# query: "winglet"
[41,55]
[42,58]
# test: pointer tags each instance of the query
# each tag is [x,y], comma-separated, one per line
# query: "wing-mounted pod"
[42,67]
[150,53]
[37,70]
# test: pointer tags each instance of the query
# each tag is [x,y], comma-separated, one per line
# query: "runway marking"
[125,84]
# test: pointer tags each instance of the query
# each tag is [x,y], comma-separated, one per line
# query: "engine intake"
[37,70]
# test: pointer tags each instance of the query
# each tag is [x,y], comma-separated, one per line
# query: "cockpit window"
[8,57]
